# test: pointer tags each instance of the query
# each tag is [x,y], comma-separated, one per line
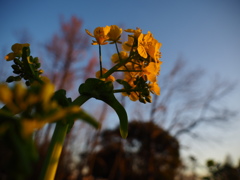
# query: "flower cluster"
[109,33]
[139,60]
[25,66]
[34,106]
[17,51]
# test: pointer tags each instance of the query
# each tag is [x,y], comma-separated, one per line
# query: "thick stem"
[114,68]
[126,90]
[118,65]
[80,100]
[54,151]
[55,148]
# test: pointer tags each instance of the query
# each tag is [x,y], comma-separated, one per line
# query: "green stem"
[128,71]
[55,148]
[54,152]
[100,60]
[80,100]
[117,51]
[117,66]
[28,66]
[126,90]
[114,68]
[120,58]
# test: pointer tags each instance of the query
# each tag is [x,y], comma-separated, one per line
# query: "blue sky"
[206,33]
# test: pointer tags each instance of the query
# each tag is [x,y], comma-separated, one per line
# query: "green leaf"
[22,149]
[26,52]
[121,112]
[60,97]
[83,115]
[124,83]
[62,100]
[10,79]
[103,91]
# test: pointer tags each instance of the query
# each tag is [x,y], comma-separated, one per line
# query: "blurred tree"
[194,165]
[148,153]
[224,171]
[186,101]
[66,50]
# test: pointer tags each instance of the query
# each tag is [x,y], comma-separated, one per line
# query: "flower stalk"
[100,60]
[56,145]
[54,152]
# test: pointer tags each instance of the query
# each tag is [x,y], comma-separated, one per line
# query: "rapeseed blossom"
[20,98]
[100,34]
[34,106]
[17,51]
[139,61]
[114,34]
[145,64]
[109,78]
[117,57]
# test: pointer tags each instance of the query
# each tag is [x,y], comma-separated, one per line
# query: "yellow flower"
[154,88]
[147,45]
[134,96]
[40,71]
[30,125]
[136,32]
[7,97]
[109,78]
[114,34]
[127,46]
[10,56]
[152,46]
[35,123]
[46,93]
[141,46]
[17,48]
[100,34]
[5,94]
[17,51]
[115,57]
[20,92]
[45,79]
[132,71]
[31,99]
[151,71]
